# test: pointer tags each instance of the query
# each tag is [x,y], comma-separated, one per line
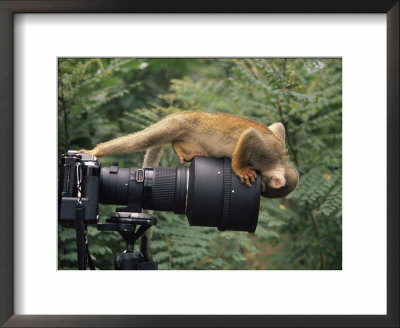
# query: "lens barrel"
[121,186]
[217,197]
[208,192]
[158,188]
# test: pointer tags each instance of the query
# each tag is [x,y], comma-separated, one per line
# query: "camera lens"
[217,197]
[208,192]
[162,189]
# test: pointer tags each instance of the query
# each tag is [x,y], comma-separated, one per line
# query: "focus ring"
[227,190]
[163,191]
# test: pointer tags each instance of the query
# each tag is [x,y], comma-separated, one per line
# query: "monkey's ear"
[279,129]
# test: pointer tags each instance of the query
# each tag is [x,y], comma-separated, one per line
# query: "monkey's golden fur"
[251,145]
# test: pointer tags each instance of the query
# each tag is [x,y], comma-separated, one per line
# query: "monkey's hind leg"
[145,242]
[185,152]
[152,156]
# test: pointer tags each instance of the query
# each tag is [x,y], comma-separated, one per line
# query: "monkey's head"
[278,177]
[279,183]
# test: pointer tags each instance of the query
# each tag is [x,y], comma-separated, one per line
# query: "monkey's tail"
[151,159]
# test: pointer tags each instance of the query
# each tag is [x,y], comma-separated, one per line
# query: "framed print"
[43,46]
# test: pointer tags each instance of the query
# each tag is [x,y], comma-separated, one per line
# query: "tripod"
[126,223]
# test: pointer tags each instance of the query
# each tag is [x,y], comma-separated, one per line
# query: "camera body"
[79,182]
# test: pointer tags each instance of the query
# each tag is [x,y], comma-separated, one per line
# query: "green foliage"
[177,246]
[100,99]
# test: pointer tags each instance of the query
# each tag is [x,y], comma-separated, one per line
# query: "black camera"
[79,181]
[207,191]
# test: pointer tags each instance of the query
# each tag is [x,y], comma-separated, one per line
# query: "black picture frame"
[7,11]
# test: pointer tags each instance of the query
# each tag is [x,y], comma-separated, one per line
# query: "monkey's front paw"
[92,152]
[246,175]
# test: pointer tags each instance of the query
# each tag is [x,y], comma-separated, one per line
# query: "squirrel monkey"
[252,146]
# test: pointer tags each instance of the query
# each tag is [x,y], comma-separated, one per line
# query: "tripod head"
[131,226]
